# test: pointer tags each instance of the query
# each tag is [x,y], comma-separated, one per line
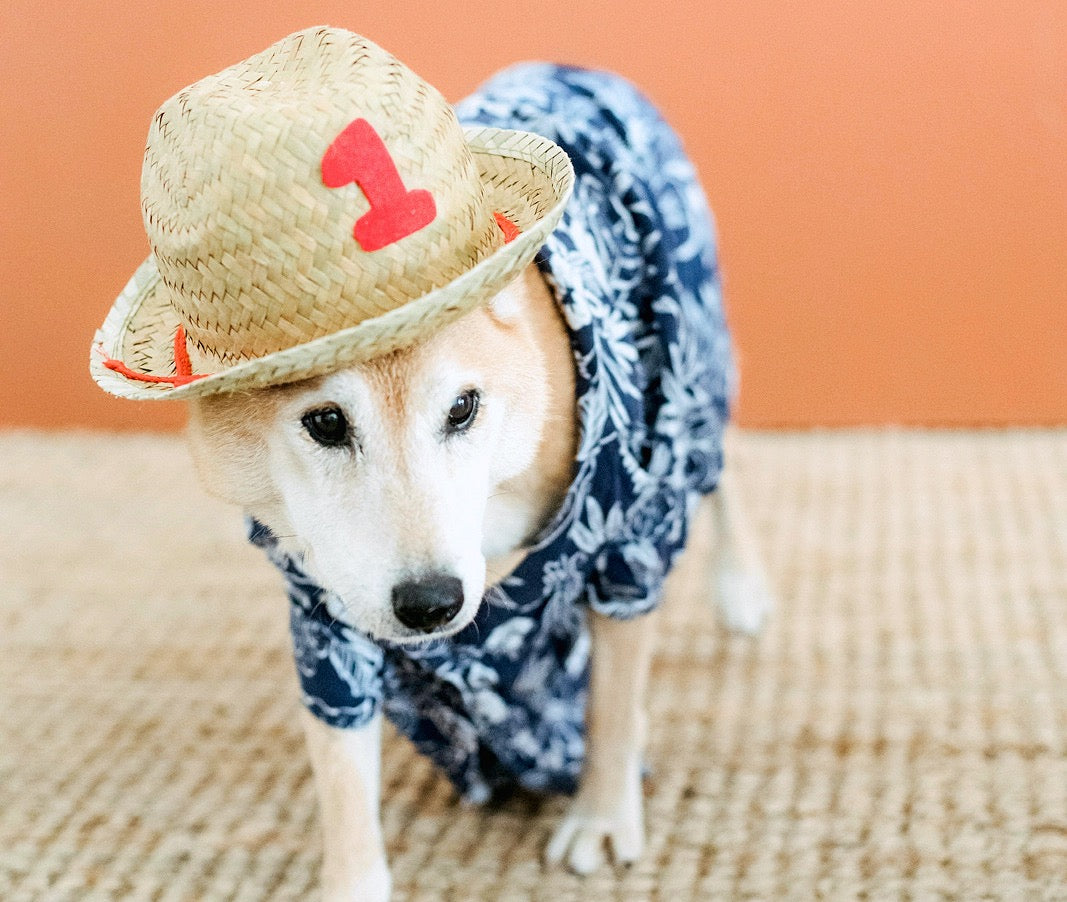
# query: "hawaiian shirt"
[633,266]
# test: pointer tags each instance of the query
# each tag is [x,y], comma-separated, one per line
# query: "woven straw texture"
[251,227]
[898,732]
[253,237]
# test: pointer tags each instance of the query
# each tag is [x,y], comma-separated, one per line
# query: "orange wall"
[890,179]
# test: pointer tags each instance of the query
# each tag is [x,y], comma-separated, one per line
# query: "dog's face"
[392,476]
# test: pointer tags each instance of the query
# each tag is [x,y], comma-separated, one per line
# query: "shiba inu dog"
[457,489]
[468,377]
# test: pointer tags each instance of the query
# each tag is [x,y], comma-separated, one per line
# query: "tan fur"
[227,436]
[545,482]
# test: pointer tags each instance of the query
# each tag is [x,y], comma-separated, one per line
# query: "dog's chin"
[396,633]
[405,636]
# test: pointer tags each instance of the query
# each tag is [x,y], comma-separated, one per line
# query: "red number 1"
[359,155]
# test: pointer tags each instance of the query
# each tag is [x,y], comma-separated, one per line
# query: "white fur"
[404,500]
[346,764]
[744,598]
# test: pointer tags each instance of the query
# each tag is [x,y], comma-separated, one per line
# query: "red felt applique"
[510,230]
[183,367]
[359,155]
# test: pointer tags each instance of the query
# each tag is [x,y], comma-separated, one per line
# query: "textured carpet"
[898,732]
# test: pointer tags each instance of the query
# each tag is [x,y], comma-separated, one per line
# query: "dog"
[470,514]
[476,495]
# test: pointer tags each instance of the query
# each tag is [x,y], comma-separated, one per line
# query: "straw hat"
[313,206]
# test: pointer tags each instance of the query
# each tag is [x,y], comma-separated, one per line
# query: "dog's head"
[398,478]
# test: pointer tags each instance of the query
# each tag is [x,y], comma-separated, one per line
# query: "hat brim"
[528,180]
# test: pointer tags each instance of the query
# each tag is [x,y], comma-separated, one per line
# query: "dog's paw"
[373,886]
[592,826]
[744,600]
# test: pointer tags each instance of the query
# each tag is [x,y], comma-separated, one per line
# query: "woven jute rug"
[899,731]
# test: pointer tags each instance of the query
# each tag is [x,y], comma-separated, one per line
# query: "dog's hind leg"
[347,767]
[741,589]
[609,806]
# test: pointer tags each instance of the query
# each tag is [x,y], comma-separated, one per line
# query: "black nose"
[427,603]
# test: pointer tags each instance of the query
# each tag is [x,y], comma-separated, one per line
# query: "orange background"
[890,180]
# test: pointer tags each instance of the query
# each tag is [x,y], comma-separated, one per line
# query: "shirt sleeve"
[340,669]
[628,575]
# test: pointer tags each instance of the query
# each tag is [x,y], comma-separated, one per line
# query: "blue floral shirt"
[633,266]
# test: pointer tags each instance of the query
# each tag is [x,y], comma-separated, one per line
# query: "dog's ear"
[229,451]
[517,298]
[506,305]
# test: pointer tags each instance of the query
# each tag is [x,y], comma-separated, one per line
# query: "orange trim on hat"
[183,367]
[510,230]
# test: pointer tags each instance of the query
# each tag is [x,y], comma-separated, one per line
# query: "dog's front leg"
[347,766]
[609,807]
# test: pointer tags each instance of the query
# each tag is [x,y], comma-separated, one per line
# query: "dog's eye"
[463,411]
[327,425]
